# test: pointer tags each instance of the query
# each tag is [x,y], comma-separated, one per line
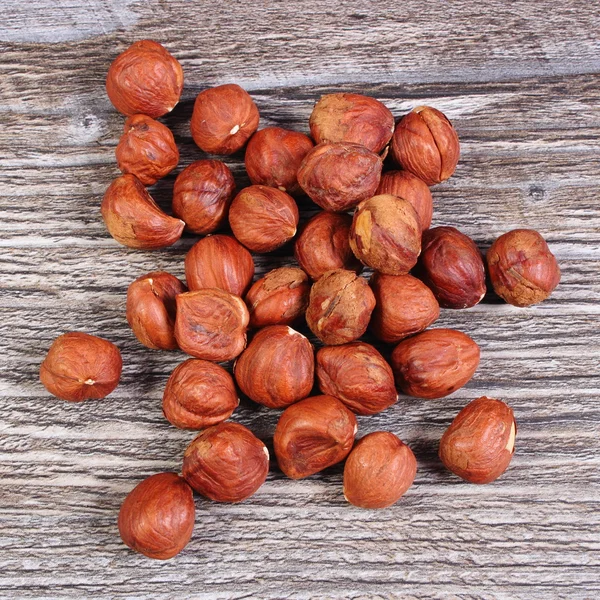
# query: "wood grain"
[521,83]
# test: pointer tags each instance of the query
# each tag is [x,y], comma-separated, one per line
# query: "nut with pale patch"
[480,443]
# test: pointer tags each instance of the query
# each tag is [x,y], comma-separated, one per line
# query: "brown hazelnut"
[434,363]
[278,298]
[147,149]
[273,156]
[157,517]
[378,471]
[145,79]
[386,234]
[313,434]
[357,375]
[223,119]
[79,366]
[352,118]
[426,144]
[263,218]
[451,265]
[219,261]
[226,463]
[211,324]
[480,443]
[277,368]
[202,194]
[522,269]
[134,219]
[338,176]
[404,306]
[323,245]
[409,187]
[339,307]
[151,309]
[199,394]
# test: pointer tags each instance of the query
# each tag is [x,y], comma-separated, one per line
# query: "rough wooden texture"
[521,82]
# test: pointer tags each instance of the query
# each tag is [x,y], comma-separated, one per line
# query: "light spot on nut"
[266,451]
[363,228]
[510,445]
[355,429]
[282,188]
[291,331]
[234,130]
[89,382]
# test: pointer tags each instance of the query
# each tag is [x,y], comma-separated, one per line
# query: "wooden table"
[521,83]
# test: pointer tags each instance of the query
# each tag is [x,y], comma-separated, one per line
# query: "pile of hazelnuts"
[209,318]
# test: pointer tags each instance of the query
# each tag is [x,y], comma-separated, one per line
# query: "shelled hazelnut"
[79,366]
[145,79]
[277,368]
[404,306]
[199,394]
[263,218]
[226,463]
[386,234]
[378,471]
[452,267]
[352,118]
[223,119]
[211,324]
[339,307]
[323,245]
[134,219]
[339,176]
[278,298]
[358,375]
[480,443]
[219,261]
[313,434]
[151,309]
[157,517]
[273,157]
[202,194]
[426,144]
[434,363]
[146,149]
[522,269]
[409,187]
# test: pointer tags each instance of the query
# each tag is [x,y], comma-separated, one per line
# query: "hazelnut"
[202,194]
[480,443]
[211,324]
[219,261]
[404,306]
[223,119]
[426,144]
[226,463]
[79,366]
[134,219]
[357,375]
[409,187]
[157,517]
[386,234]
[277,368]
[146,149]
[352,118]
[522,269]
[273,156]
[313,434]
[278,298]
[434,363]
[339,307]
[338,176]
[323,245]
[452,267]
[151,309]
[199,394]
[145,79]
[263,218]
[378,471]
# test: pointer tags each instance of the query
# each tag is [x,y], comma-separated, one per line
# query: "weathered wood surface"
[521,81]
